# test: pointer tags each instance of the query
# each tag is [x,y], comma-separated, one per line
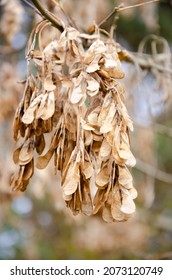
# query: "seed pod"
[77,99]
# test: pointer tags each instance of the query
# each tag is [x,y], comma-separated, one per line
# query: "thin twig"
[160,129]
[148,63]
[68,17]
[45,13]
[121,9]
[137,5]
[153,171]
[114,11]
[32,6]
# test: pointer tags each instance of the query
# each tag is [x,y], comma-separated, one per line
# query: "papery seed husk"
[67,197]
[22,129]
[126,117]
[16,123]
[105,149]
[125,176]
[43,161]
[116,196]
[117,214]
[49,107]
[98,200]
[17,179]
[47,125]
[124,154]
[72,177]
[93,117]
[106,213]
[77,203]
[14,180]
[28,171]
[97,137]
[92,93]
[24,185]
[128,205]
[131,161]
[102,178]
[48,85]
[70,120]
[16,155]
[110,62]
[86,126]
[116,211]
[56,161]
[87,207]
[28,116]
[106,127]
[26,152]
[106,124]
[87,169]
[133,193]
[104,74]
[102,116]
[76,95]
[88,137]
[96,146]
[40,110]
[70,186]
[40,144]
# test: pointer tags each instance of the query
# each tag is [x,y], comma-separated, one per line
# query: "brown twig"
[45,13]
[146,61]
[160,129]
[68,17]
[153,171]
[32,6]
[121,9]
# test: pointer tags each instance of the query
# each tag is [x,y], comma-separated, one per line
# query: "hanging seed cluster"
[77,98]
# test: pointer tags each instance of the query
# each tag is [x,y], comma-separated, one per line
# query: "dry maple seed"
[77,98]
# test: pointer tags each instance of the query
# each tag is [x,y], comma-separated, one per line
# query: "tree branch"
[32,6]
[153,171]
[160,129]
[45,13]
[147,62]
[121,9]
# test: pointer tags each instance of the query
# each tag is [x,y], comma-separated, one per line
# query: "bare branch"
[121,9]
[153,171]
[46,14]
[147,62]
[160,129]
[32,6]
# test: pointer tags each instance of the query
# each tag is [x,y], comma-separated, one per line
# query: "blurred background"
[36,224]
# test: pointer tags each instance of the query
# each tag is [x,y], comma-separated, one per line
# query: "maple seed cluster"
[75,96]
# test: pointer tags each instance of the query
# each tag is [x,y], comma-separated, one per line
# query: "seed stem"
[46,14]
[121,9]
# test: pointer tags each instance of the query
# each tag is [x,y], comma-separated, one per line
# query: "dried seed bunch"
[76,97]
